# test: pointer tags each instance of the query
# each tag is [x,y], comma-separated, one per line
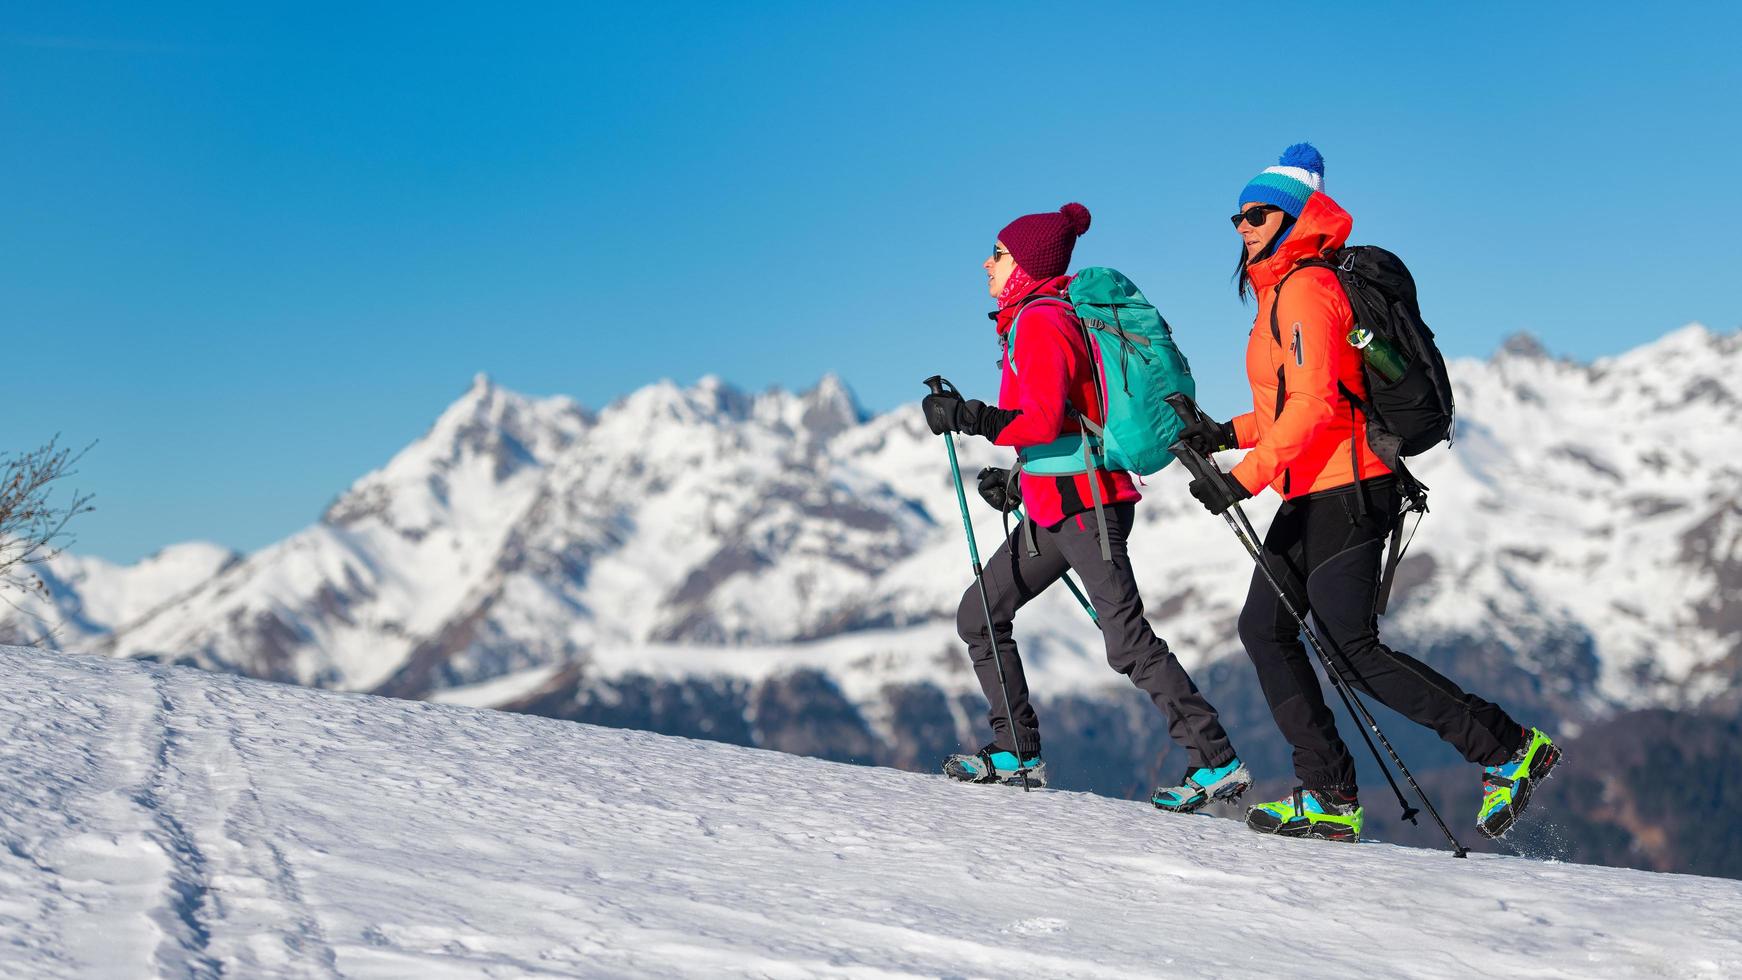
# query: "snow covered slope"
[170,822]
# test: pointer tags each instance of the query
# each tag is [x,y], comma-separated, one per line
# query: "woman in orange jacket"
[1308,442]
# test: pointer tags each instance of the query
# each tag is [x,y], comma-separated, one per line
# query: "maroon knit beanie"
[1042,243]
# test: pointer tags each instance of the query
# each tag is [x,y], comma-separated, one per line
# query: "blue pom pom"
[1304,156]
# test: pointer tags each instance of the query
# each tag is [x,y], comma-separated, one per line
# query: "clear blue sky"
[255,249]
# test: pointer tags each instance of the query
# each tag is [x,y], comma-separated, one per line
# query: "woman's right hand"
[999,487]
[1209,437]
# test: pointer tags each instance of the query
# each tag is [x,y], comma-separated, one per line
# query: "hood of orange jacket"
[1322,228]
[1306,436]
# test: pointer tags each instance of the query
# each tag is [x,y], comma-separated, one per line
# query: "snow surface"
[162,821]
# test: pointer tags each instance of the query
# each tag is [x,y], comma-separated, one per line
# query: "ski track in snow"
[166,822]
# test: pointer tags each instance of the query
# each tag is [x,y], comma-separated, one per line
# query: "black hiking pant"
[1327,556]
[1013,577]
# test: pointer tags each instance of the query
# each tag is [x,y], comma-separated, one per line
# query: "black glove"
[942,411]
[1209,437]
[999,487]
[1218,491]
[949,412]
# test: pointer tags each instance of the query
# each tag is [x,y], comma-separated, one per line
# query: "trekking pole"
[1253,544]
[938,386]
[1203,468]
[1248,536]
[1070,583]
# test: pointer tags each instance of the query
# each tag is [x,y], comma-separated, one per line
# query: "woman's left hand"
[999,487]
[1218,491]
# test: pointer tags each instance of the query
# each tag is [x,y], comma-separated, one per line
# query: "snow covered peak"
[492,419]
[482,440]
[813,416]
[185,561]
[830,407]
[709,402]
[88,597]
[1691,338]
[1687,354]
[663,411]
[1686,350]
[1522,345]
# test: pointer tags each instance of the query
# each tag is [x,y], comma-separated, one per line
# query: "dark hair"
[1240,281]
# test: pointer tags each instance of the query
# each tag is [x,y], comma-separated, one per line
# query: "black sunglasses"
[999,252]
[1253,215]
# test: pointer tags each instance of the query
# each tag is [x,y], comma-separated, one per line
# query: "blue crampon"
[995,765]
[1222,783]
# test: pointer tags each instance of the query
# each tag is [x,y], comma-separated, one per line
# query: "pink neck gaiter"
[1019,285]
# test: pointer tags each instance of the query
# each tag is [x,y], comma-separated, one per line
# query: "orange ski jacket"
[1305,435]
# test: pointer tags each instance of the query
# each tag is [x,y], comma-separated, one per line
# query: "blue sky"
[255,249]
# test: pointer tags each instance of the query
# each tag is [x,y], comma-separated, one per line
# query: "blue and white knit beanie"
[1300,174]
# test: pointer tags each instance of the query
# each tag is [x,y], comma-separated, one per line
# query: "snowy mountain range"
[166,822]
[1594,503]
[782,570]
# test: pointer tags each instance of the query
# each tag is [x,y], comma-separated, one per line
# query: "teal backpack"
[1137,365]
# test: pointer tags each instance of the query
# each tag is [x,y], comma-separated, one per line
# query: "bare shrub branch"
[33,528]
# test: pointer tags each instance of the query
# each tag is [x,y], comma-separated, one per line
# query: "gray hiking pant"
[1013,577]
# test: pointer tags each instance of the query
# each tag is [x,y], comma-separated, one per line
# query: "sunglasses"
[1253,215]
[999,252]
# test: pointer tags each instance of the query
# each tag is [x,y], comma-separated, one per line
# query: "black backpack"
[1405,417]
[1411,415]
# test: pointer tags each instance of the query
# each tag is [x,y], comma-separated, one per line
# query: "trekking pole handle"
[1196,463]
[1184,407]
[939,385]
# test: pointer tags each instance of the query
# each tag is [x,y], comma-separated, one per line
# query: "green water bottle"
[1387,361]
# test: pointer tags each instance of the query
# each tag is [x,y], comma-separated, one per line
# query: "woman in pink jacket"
[1048,375]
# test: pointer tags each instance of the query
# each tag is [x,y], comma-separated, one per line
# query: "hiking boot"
[1199,786]
[1506,788]
[1330,814]
[995,765]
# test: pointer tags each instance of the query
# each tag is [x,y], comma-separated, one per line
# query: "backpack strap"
[1414,494]
[1027,531]
[1354,453]
[1276,293]
[1282,380]
[1010,335]
[1115,329]
[1354,400]
[1093,476]
[1089,471]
